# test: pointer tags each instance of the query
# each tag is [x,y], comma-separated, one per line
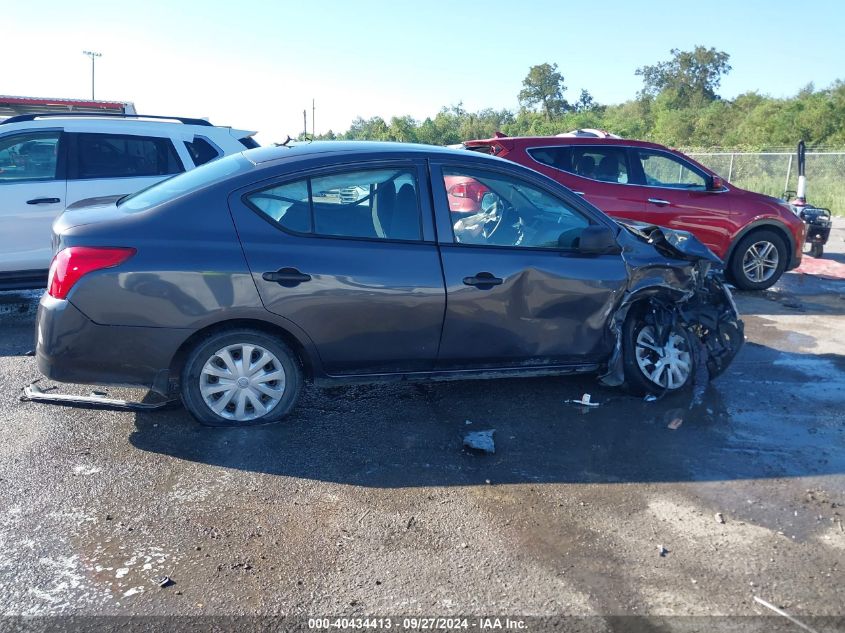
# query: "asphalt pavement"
[364,502]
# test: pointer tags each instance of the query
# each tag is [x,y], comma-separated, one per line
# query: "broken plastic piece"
[584,401]
[164,581]
[662,550]
[650,398]
[34,393]
[675,423]
[720,517]
[480,441]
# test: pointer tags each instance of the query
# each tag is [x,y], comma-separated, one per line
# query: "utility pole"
[313,118]
[93,57]
[304,123]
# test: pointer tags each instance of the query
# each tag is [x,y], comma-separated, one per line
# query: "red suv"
[757,236]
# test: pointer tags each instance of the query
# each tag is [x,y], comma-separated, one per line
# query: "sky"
[258,65]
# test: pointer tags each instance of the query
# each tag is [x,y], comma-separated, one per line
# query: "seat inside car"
[586,167]
[384,208]
[608,170]
[406,217]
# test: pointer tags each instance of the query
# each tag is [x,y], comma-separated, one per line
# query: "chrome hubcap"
[668,366]
[760,261]
[242,382]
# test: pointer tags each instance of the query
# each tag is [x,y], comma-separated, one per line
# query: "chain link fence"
[774,172]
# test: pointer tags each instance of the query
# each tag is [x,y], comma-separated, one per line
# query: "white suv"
[52,162]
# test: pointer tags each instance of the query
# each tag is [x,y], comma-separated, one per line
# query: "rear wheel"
[758,260]
[654,366]
[240,378]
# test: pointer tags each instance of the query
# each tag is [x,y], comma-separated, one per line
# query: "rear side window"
[374,203]
[201,151]
[603,163]
[29,156]
[124,156]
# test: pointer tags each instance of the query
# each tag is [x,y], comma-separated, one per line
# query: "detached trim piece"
[34,393]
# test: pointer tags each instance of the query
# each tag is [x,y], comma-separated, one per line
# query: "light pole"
[93,57]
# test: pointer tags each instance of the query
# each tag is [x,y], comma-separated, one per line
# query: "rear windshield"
[185,183]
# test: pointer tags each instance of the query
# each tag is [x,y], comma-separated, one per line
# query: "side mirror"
[598,240]
[715,183]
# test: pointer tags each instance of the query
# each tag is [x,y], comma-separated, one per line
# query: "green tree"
[585,103]
[543,86]
[689,78]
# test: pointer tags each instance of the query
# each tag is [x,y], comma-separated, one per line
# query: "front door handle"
[483,281]
[659,202]
[287,277]
[43,201]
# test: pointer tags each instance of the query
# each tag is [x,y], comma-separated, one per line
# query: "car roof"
[548,141]
[93,122]
[262,155]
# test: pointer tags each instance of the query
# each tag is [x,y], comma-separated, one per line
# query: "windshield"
[184,183]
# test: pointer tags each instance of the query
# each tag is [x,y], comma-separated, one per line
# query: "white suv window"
[124,156]
[29,156]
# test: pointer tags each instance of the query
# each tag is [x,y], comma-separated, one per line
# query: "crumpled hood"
[673,243]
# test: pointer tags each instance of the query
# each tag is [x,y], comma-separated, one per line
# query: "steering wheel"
[493,218]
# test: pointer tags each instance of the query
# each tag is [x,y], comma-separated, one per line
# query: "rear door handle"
[43,201]
[659,202]
[287,277]
[483,281]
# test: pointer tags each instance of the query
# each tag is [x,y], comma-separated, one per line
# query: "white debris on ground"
[480,441]
[584,401]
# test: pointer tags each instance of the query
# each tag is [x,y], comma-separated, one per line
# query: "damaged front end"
[676,282]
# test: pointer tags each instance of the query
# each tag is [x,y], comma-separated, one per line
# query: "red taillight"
[70,264]
[472,190]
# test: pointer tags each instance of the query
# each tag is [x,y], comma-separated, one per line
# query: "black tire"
[208,348]
[816,250]
[638,382]
[742,281]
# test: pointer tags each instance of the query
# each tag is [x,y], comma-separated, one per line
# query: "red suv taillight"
[70,264]
[472,190]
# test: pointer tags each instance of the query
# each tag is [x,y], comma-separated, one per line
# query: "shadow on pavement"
[411,435]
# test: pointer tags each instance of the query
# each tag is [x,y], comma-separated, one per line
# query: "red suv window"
[606,164]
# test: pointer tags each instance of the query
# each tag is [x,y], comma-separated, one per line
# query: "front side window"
[29,156]
[507,211]
[664,170]
[124,156]
[604,163]
[372,203]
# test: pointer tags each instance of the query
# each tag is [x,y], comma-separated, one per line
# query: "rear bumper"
[23,280]
[72,348]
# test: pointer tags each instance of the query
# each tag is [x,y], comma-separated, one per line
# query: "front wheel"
[240,378]
[652,365]
[758,260]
